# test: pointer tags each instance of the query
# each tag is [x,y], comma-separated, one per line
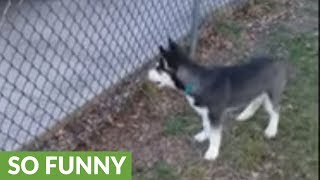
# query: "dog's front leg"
[214,131]
[203,135]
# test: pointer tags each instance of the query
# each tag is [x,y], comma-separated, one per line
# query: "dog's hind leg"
[249,111]
[272,108]
[272,102]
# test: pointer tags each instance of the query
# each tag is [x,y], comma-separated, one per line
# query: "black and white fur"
[217,89]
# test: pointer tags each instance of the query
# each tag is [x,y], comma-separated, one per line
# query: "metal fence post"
[194,27]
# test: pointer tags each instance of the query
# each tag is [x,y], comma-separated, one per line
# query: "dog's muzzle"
[160,78]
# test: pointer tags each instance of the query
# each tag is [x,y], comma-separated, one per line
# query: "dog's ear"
[163,52]
[173,46]
[170,41]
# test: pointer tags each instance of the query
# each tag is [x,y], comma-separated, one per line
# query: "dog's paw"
[270,132]
[200,137]
[211,155]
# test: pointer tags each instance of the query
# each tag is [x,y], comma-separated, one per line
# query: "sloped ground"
[156,125]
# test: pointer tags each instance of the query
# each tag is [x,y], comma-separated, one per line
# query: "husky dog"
[212,91]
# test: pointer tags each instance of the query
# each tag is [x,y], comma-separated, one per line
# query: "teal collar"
[188,88]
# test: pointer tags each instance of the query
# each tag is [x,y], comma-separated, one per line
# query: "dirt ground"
[157,125]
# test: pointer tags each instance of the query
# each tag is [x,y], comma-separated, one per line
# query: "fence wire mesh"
[57,55]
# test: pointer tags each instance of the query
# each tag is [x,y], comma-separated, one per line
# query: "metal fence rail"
[55,55]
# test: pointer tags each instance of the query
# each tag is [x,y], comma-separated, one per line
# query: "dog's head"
[165,72]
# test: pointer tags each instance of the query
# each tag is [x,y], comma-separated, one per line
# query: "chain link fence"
[57,55]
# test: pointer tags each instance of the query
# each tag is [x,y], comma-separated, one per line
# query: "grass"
[229,28]
[178,124]
[164,171]
[149,89]
[299,126]
[160,171]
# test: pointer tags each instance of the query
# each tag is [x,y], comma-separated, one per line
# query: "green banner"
[65,165]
